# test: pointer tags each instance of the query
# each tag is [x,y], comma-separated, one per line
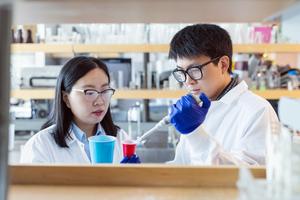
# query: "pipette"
[165,121]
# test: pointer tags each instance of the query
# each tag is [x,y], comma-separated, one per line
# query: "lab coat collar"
[73,137]
[78,132]
[234,93]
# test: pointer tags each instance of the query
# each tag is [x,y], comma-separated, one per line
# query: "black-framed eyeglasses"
[92,94]
[195,72]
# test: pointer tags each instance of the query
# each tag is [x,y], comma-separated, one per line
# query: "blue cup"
[102,148]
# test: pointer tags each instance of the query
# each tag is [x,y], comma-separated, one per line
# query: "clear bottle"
[261,80]
[294,166]
[295,82]
[273,160]
[273,78]
[134,121]
[283,165]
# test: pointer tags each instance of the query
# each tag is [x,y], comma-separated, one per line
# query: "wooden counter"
[125,182]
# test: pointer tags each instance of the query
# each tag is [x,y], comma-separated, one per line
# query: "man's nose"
[189,80]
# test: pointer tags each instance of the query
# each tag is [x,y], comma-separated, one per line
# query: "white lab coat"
[41,148]
[234,131]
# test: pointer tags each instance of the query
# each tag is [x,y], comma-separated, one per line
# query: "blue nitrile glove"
[186,115]
[133,159]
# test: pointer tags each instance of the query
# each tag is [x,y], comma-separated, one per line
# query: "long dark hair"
[61,115]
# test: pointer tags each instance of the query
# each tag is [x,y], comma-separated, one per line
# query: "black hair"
[201,39]
[61,115]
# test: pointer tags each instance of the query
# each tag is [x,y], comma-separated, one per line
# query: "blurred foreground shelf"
[151,181]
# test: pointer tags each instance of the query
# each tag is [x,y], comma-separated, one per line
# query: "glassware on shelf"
[134,121]
[293,82]
[273,78]
[282,165]
[261,79]
[153,33]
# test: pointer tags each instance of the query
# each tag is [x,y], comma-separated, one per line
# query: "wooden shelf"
[27,94]
[266,48]
[46,48]
[88,48]
[142,48]
[145,94]
[122,182]
[117,175]
[276,94]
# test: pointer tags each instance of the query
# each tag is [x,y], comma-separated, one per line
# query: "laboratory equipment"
[44,76]
[102,148]
[120,70]
[283,159]
[165,121]
[134,120]
[129,147]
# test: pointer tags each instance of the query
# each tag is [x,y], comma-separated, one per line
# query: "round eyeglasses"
[92,95]
[195,72]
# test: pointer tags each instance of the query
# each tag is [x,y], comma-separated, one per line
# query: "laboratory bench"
[157,149]
[147,155]
[122,182]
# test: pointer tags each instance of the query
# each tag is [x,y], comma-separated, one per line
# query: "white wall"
[291,24]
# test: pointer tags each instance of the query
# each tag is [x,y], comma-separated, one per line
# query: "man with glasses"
[230,124]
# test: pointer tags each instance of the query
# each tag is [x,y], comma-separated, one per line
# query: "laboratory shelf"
[146,94]
[88,48]
[277,93]
[142,48]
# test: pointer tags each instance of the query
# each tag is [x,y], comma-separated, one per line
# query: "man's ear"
[225,62]
[65,97]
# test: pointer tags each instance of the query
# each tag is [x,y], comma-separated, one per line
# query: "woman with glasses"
[231,123]
[80,110]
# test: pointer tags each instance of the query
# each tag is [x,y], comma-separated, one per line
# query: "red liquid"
[129,148]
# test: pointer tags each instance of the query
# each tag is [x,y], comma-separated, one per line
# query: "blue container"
[102,148]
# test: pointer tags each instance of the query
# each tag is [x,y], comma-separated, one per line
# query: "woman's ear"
[225,62]
[66,99]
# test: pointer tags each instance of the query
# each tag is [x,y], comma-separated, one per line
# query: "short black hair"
[201,39]
[61,115]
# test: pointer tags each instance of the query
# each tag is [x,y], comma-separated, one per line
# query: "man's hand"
[186,115]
